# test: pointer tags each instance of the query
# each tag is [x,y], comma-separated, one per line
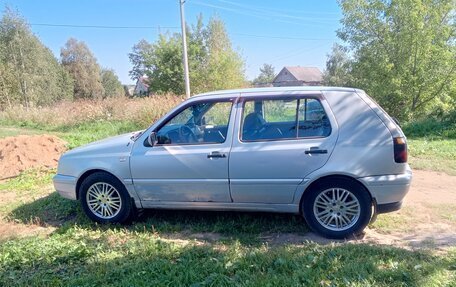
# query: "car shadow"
[53,210]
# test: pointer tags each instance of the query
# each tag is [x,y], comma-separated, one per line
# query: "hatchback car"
[330,154]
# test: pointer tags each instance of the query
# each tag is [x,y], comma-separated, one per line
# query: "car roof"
[258,91]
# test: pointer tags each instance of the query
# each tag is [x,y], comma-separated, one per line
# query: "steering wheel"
[186,135]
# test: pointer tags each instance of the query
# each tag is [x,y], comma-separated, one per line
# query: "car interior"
[311,118]
[199,123]
[262,120]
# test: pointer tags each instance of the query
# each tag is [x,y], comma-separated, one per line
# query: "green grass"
[88,132]
[395,221]
[433,154]
[432,145]
[432,129]
[145,258]
[119,257]
[182,248]
[160,249]
[76,135]
[14,131]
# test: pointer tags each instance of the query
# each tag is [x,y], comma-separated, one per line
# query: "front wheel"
[105,199]
[338,208]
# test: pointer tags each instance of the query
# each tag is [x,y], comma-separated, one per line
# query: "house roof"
[305,74]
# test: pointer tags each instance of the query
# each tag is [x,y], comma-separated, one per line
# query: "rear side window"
[278,119]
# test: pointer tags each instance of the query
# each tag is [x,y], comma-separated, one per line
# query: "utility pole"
[184,49]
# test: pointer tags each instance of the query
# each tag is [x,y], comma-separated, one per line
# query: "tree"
[404,51]
[80,63]
[213,63]
[140,57]
[224,66]
[338,68]
[266,76]
[29,73]
[111,84]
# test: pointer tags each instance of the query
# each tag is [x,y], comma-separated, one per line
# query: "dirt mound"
[23,152]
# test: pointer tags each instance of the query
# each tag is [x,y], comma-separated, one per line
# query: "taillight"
[400,150]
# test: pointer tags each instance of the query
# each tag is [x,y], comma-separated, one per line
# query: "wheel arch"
[330,177]
[89,172]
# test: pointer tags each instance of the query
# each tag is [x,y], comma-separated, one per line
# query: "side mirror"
[152,139]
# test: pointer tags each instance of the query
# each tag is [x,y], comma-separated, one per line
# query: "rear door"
[278,141]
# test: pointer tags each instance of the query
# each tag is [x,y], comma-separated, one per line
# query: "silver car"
[330,154]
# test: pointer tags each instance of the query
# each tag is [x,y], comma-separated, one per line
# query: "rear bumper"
[389,190]
[389,207]
[65,185]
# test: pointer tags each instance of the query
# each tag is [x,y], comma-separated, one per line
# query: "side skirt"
[221,206]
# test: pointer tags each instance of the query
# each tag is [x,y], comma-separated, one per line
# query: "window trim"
[243,100]
[233,101]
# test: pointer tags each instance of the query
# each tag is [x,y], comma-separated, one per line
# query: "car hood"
[113,145]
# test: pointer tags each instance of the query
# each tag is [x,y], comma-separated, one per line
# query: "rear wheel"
[105,199]
[337,208]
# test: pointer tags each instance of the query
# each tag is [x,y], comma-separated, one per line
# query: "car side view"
[330,154]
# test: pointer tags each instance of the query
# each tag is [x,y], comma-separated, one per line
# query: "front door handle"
[216,154]
[316,150]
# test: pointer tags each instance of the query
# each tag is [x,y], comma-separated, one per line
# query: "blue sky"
[282,33]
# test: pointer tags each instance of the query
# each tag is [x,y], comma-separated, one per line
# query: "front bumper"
[65,185]
[389,189]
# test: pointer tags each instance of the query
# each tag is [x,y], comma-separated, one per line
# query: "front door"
[280,140]
[189,162]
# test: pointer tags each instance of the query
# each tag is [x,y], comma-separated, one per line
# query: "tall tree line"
[30,75]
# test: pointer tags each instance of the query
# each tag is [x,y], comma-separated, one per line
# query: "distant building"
[298,76]
[129,90]
[142,87]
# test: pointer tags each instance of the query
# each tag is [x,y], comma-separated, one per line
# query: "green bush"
[431,128]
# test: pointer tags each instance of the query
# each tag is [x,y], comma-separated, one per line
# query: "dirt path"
[426,220]
[428,214]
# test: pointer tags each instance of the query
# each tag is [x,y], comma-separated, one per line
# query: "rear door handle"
[316,150]
[216,154]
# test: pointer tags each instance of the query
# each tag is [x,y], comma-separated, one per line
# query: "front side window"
[197,124]
[283,119]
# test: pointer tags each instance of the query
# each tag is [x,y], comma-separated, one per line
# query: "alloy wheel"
[337,209]
[103,200]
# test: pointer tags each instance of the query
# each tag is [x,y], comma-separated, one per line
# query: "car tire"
[105,199]
[337,208]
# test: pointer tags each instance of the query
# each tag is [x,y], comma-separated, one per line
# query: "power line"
[103,26]
[282,37]
[236,11]
[174,27]
[275,10]
[278,13]
[264,14]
